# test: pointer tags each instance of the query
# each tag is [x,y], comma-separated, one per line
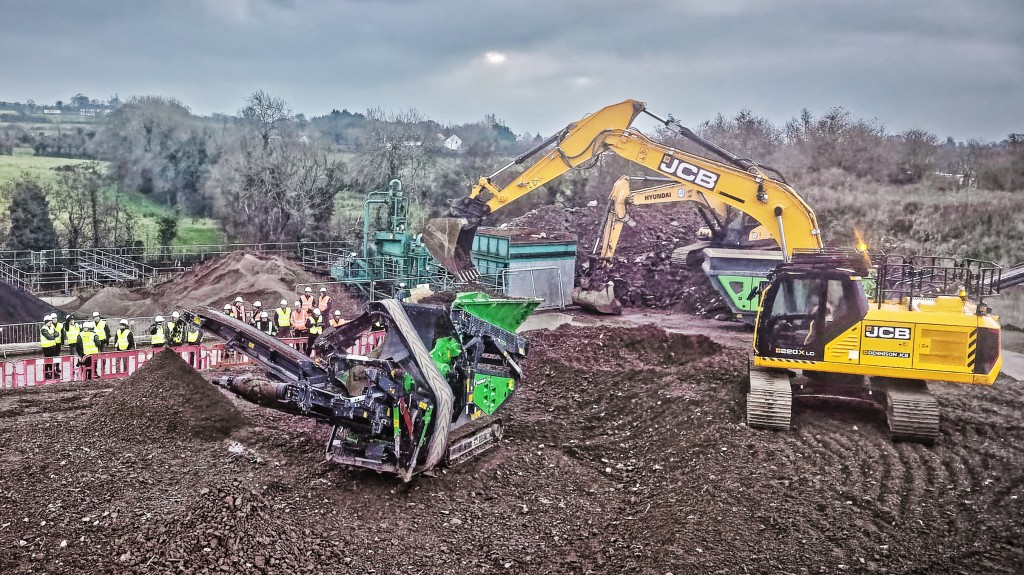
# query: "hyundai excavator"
[756,190]
[724,226]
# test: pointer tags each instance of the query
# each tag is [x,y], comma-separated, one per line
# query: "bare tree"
[396,147]
[88,216]
[266,114]
[268,186]
[918,149]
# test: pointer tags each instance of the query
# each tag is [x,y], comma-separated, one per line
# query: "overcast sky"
[952,67]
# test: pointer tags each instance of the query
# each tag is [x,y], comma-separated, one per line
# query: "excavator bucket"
[450,241]
[599,301]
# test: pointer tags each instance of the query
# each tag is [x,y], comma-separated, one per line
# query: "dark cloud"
[951,67]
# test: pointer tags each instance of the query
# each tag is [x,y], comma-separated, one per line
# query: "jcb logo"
[887,332]
[688,172]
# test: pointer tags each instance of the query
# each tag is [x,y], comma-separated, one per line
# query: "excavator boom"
[738,183]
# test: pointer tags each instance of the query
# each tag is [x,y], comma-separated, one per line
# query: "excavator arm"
[716,214]
[773,203]
[450,239]
[741,184]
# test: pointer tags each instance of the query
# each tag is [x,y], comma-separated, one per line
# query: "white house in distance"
[453,142]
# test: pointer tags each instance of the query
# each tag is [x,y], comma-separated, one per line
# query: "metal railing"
[66,270]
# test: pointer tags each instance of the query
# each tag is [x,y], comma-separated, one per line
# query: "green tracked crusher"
[426,394]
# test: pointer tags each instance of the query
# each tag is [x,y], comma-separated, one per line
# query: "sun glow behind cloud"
[495,58]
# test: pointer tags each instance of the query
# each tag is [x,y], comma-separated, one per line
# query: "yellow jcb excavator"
[925,320]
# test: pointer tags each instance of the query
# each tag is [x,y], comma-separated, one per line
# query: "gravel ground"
[625,452]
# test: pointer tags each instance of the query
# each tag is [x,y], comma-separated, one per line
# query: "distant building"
[453,142]
[51,111]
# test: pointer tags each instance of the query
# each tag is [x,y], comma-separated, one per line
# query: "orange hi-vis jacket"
[324,303]
[299,318]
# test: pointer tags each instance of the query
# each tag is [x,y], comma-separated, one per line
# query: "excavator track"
[912,412]
[437,444]
[770,399]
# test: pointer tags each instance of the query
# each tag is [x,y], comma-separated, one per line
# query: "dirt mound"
[620,348]
[266,278]
[624,452]
[641,269]
[166,400]
[20,306]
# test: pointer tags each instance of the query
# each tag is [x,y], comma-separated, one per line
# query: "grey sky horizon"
[950,67]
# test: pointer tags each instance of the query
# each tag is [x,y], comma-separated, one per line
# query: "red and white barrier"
[117,364]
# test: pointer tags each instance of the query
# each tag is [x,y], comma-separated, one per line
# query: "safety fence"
[118,364]
[67,270]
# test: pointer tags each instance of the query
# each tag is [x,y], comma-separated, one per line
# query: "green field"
[190,231]
[47,125]
[40,167]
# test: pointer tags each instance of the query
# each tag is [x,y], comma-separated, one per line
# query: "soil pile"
[266,278]
[624,452]
[20,306]
[642,269]
[165,400]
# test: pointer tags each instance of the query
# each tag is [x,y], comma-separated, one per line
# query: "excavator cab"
[805,308]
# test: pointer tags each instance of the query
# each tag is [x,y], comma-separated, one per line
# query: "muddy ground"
[627,455]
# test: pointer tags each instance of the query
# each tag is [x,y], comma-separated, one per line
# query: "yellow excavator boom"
[621,197]
[741,184]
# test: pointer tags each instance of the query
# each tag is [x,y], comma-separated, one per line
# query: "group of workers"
[85,340]
[306,319]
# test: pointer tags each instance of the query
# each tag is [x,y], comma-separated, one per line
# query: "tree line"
[270,174]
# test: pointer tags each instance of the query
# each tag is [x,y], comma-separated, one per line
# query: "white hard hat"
[309,289]
[316,311]
[238,299]
[175,315]
[227,306]
[337,312]
[264,314]
[95,314]
[46,317]
[297,303]
[89,325]
[257,303]
[323,289]
[284,302]
[158,318]
[123,322]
